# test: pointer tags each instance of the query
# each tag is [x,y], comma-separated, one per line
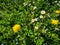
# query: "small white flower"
[55,1]
[18,36]
[24,4]
[58,4]
[29,4]
[33,2]
[43,12]
[32,12]
[41,16]
[2,44]
[17,43]
[32,20]
[36,27]
[36,19]
[34,8]
[46,29]
[56,28]
[36,37]
[41,23]
[59,1]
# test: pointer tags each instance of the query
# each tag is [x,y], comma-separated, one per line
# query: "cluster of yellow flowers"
[55,22]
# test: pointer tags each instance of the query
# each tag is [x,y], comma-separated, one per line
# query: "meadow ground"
[29,22]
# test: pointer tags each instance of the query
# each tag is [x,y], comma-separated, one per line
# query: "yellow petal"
[16,27]
[57,11]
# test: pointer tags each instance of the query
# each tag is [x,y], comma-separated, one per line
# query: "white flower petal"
[41,16]
[43,12]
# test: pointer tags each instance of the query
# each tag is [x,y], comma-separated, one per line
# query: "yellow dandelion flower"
[16,27]
[55,22]
[57,11]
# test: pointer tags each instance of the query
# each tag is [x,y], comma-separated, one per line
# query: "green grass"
[22,12]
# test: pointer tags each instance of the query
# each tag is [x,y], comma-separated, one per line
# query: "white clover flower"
[56,28]
[34,8]
[55,1]
[24,4]
[46,29]
[43,12]
[59,1]
[58,4]
[18,36]
[33,2]
[41,16]
[41,23]
[36,27]
[36,19]
[29,4]
[36,37]
[2,44]
[32,20]
[17,43]
[32,12]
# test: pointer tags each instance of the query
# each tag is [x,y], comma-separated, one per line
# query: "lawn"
[29,22]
